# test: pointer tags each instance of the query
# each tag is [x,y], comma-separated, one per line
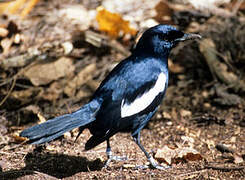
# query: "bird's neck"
[161,56]
[153,51]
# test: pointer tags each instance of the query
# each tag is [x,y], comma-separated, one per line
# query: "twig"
[191,173]
[9,92]
[237,168]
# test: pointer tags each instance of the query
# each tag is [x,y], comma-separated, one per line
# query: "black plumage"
[128,97]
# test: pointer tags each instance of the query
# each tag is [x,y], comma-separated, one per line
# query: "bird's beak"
[188,37]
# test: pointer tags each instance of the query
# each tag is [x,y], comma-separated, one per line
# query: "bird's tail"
[56,127]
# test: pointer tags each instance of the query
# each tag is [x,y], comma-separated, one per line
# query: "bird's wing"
[142,97]
[134,85]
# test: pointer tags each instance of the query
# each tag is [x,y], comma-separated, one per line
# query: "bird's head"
[160,39]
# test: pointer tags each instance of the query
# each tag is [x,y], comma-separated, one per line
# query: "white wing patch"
[142,102]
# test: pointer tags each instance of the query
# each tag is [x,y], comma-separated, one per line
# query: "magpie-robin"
[127,98]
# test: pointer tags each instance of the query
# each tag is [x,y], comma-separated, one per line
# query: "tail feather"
[56,127]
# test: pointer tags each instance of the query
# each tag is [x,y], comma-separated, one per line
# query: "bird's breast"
[144,100]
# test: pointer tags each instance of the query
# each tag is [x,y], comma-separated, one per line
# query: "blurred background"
[54,54]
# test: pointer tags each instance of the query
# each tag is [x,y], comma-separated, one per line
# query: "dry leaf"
[112,23]
[41,74]
[18,138]
[187,154]
[13,7]
[181,154]
[165,155]
[28,7]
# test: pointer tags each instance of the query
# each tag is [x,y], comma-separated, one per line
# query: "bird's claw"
[118,158]
[141,167]
[155,165]
[114,158]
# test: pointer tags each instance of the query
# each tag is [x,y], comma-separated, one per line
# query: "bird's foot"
[155,165]
[141,167]
[114,158]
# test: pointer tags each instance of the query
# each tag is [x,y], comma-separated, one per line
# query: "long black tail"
[56,127]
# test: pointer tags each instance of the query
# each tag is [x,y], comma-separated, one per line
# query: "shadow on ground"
[53,165]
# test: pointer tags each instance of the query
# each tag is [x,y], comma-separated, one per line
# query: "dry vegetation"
[54,54]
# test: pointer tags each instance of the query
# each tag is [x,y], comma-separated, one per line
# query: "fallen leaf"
[42,74]
[18,138]
[28,7]
[181,154]
[113,23]
[13,7]
[165,155]
[187,154]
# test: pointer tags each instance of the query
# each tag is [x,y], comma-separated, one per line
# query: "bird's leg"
[110,156]
[152,161]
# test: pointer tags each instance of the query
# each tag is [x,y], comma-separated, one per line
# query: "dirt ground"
[203,110]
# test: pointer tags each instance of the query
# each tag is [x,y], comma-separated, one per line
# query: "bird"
[125,100]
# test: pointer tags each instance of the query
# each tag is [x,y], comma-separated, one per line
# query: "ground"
[58,64]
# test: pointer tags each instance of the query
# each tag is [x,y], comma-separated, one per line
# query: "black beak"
[188,37]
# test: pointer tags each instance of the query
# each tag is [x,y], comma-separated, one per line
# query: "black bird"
[126,99]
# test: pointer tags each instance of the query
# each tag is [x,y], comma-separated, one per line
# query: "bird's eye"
[172,35]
